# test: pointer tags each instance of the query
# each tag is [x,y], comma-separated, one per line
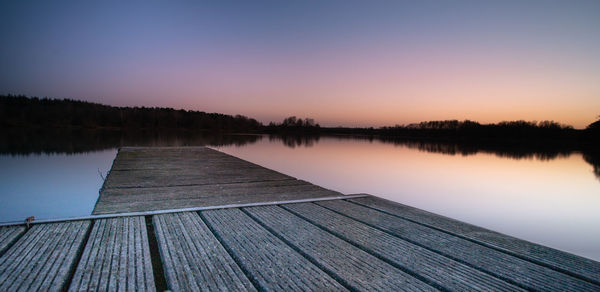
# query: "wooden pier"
[192,218]
[145,179]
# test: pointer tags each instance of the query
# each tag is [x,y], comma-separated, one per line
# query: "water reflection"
[65,141]
[51,185]
[517,151]
[593,157]
[543,193]
[294,141]
[59,141]
[465,148]
[552,201]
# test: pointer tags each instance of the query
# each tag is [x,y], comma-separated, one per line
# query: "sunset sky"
[352,63]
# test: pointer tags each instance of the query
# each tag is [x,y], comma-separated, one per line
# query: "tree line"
[34,112]
[502,132]
[22,111]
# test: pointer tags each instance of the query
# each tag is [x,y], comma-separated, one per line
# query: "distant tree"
[592,132]
[289,121]
[594,125]
[22,111]
[294,125]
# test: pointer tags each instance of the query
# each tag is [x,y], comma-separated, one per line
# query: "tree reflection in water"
[49,141]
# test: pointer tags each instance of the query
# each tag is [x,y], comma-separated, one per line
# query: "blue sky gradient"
[355,63]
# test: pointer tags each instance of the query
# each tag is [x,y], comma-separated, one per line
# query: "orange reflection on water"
[551,202]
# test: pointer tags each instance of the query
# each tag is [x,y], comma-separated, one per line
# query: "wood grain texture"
[271,263]
[433,268]
[571,263]
[509,268]
[158,178]
[352,266]
[8,235]
[116,257]
[43,257]
[193,258]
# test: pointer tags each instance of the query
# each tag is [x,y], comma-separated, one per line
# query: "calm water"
[51,185]
[553,201]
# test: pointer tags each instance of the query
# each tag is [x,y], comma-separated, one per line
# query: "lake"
[548,198]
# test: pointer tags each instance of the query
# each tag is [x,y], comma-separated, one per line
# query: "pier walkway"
[145,179]
[193,218]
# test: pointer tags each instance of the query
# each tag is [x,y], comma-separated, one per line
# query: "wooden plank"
[137,157]
[8,235]
[200,161]
[352,266]
[272,264]
[576,265]
[116,257]
[157,167]
[193,209]
[146,179]
[257,189]
[433,268]
[509,268]
[139,205]
[166,177]
[193,258]
[43,257]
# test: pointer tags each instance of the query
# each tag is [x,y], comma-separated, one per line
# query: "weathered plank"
[8,235]
[577,265]
[350,265]
[198,191]
[200,161]
[116,257]
[502,265]
[259,191]
[425,264]
[159,167]
[138,204]
[147,179]
[42,258]
[166,177]
[193,258]
[146,158]
[272,264]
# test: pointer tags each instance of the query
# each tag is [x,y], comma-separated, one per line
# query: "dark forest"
[45,113]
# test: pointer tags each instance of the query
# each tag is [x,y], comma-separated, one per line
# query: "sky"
[351,63]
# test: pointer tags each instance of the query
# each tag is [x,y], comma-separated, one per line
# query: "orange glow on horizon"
[348,64]
[357,89]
